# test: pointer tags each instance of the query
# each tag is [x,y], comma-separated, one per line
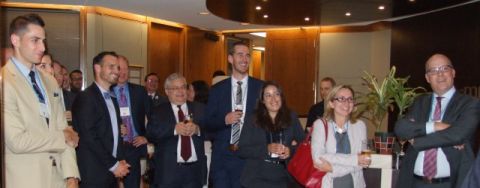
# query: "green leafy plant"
[384,97]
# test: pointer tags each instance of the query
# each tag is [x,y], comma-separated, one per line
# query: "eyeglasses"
[344,99]
[177,88]
[440,69]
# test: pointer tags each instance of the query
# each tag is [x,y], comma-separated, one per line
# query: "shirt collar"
[447,96]
[22,68]
[244,81]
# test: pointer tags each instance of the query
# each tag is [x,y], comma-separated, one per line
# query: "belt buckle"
[233,147]
[427,180]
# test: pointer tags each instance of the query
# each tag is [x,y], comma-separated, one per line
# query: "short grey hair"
[171,78]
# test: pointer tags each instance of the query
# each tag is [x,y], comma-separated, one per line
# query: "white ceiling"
[180,11]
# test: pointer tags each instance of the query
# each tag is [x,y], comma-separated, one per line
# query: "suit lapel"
[251,99]
[450,108]
[229,94]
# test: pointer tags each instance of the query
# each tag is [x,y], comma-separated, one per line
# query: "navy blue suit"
[226,166]
[91,119]
[140,107]
[160,129]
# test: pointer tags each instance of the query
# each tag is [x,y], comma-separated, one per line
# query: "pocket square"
[55,94]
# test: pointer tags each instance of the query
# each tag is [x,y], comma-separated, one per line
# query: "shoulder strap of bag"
[325,126]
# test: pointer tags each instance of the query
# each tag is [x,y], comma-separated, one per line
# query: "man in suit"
[316,111]
[134,109]
[151,83]
[76,81]
[439,126]
[67,95]
[39,147]
[96,117]
[179,153]
[228,103]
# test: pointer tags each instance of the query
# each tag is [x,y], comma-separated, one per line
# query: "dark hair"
[20,23]
[239,43]
[74,71]
[97,60]
[218,73]
[150,74]
[263,120]
[329,79]
[201,91]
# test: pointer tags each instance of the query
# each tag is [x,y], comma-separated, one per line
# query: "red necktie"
[185,148]
[430,158]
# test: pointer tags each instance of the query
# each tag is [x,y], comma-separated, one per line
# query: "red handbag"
[301,165]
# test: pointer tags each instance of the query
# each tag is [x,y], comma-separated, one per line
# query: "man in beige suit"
[39,148]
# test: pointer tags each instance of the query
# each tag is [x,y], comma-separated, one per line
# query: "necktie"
[185,147]
[235,133]
[40,96]
[123,103]
[430,158]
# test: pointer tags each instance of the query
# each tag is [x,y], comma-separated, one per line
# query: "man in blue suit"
[229,102]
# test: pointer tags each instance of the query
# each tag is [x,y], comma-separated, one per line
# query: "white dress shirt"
[192,158]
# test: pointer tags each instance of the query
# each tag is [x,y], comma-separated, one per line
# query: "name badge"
[44,110]
[124,111]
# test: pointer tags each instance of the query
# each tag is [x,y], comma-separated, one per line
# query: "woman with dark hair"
[340,154]
[266,140]
[201,91]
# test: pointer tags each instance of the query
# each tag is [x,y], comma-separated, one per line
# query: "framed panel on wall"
[135,74]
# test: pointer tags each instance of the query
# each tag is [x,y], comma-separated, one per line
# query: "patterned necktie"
[430,158]
[185,147]
[123,103]
[235,133]
[40,96]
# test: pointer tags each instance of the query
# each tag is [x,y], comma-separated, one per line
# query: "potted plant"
[381,98]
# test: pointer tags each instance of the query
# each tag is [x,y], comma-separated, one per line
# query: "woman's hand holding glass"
[278,150]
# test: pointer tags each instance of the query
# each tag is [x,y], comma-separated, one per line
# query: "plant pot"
[383,142]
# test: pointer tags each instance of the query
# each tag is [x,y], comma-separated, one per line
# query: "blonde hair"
[329,114]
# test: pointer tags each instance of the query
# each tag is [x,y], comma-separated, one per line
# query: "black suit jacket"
[94,152]
[158,99]
[315,112]
[160,131]
[140,107]
[253,148]
[462,113]
[68,98]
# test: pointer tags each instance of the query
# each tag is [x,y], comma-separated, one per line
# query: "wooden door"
[165,51]
[290,61]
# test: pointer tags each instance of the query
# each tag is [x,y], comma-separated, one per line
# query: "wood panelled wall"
[290,59]
[203,56]
[165,51]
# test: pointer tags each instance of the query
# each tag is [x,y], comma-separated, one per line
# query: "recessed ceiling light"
[348,14]
[307,19]
[411,0]
[258,8]
[244,23]
[204,13]
[265,16]
[381,7]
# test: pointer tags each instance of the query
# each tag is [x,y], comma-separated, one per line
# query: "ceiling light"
[204,13]
[259,48]
[307,19]
[348,14]
[265,16]
[260,34]
[258,8]
[411,0]
[244,23]
[381,7]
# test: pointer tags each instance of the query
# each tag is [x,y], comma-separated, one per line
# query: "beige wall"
[106,33]
[345,57]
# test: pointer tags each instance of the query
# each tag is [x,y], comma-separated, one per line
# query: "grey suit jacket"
[462,113]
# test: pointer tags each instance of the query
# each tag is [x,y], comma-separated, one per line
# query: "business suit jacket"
[158,99]
[68,98]
[91,120]
[315,112]
[160,131]
[31,144]
[140,107]
[219,104]
[342,164]
[462,113]
[253,148]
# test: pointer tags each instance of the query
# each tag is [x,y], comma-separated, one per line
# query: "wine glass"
[366,148]
[402,143]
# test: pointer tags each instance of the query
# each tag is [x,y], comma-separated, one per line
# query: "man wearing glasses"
[439,127]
